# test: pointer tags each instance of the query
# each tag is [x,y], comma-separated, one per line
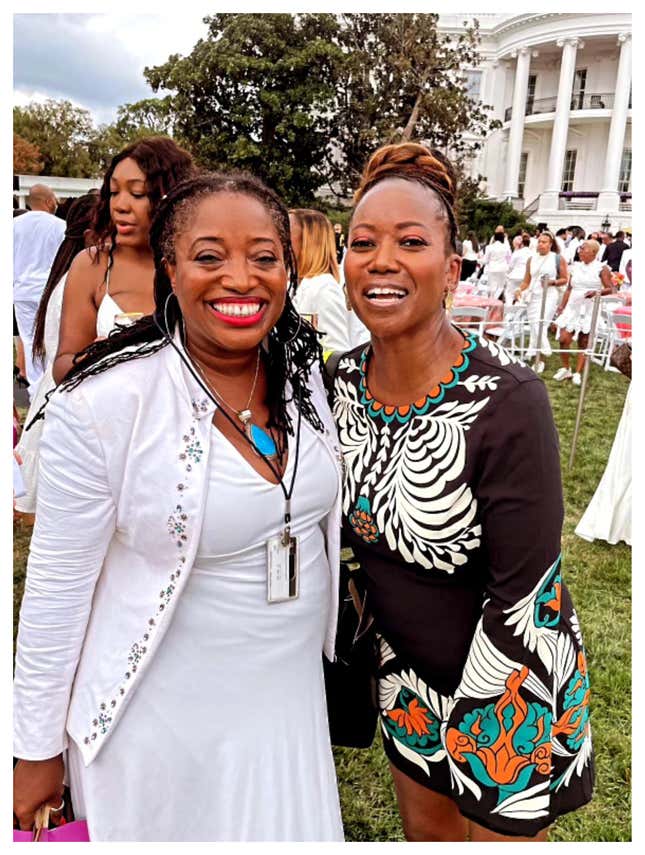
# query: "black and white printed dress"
[453,506]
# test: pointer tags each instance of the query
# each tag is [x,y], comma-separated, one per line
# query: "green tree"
[255,94]
[61,132]
[402,79]
[150,117]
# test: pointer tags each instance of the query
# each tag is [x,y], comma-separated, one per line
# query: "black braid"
[293,345]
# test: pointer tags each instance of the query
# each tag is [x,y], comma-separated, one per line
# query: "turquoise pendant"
[262,441]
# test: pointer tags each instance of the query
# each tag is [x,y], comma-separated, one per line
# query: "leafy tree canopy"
[60,132]
[255,94]
[26,157]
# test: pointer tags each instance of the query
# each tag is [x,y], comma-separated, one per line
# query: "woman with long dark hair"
[452,504]
[116,278]
[188,541]
[78,235]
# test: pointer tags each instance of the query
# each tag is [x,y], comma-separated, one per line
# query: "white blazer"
[121,496]
[323,296]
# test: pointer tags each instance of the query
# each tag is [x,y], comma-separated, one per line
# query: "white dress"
[226,738]
[29,444]
[541,265]
[609,513]
[576,316]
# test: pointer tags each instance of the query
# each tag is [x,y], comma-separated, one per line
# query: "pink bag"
[69,832]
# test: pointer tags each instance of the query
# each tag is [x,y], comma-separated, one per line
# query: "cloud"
[66,56]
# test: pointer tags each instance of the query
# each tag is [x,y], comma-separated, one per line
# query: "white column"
[550,198]
[516,133]
[609,198]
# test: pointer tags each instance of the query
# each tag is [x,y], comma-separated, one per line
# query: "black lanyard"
[287,493]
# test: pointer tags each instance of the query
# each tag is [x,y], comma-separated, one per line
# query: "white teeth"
[395,292]
[241,310]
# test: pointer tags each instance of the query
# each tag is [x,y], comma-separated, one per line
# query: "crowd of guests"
[569,266]
[191,485]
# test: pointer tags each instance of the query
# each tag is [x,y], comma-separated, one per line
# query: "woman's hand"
[590,294]
[36,783]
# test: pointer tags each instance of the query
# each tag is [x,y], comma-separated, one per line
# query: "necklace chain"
[244,415]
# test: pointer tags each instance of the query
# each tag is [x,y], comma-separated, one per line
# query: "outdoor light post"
[605,225]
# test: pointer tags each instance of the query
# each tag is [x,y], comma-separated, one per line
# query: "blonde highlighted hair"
[318,248]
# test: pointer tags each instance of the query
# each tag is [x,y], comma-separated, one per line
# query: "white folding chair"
[469,318]
[512,334]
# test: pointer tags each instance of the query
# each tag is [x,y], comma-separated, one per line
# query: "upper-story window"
[569,171]
[625,179]
[530,94]
[579,86]
[473,84]
[521,181]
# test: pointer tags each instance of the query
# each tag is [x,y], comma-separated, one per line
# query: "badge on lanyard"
[282,568]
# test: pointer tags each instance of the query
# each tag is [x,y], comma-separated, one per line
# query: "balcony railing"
[579,101]
[583,200]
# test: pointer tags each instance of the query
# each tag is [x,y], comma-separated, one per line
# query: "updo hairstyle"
[414,162]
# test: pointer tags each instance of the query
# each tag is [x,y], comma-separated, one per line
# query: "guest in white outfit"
[37,235]
[177,654]
[496,260]
[319,294]
[78,234]
[116,278]
[517,267]
[588,278]
[544,269]
[609,513]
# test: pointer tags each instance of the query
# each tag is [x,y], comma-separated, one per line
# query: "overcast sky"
[96,60]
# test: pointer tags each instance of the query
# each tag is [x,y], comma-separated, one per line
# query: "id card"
[282,569]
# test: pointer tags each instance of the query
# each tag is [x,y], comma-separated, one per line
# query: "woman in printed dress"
[453,505]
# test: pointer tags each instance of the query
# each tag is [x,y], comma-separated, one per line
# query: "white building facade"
[64,188]
[561,86]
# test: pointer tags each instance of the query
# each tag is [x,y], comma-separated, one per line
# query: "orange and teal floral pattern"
[419,408]
[507,744]
[362,522]
[412,722]
[574,721]
[549,599]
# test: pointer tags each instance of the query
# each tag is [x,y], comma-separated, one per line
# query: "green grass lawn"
[599,578]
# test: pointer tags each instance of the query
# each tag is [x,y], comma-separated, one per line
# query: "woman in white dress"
[544,269]
[589,277]
[609,513]
[187,536]
[496,261]
[319,295]
[78,234]
[517,267]
[135,181]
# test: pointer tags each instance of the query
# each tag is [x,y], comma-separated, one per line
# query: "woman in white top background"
[174,664]
[117,276]
[496,261]
[545,269]
[588,278]
[469,256]
[517,266]
[319,293]
[78,235]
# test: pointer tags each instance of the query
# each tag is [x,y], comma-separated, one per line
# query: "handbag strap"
[41,820]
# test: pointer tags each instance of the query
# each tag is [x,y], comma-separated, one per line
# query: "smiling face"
[228,273]
[588,251]
[129,204]
[398,265]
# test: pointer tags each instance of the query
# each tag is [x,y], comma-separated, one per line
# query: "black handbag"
[350,681]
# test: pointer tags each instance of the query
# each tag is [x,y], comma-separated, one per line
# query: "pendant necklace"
[260,439]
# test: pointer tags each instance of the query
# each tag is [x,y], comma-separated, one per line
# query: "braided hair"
[414,162]
[80,219]
[292,344]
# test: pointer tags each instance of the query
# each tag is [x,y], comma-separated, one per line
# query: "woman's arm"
[78,316]
[75,520]
[562,274]
[500,730]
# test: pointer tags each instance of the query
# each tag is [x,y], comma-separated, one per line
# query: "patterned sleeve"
[518,731]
